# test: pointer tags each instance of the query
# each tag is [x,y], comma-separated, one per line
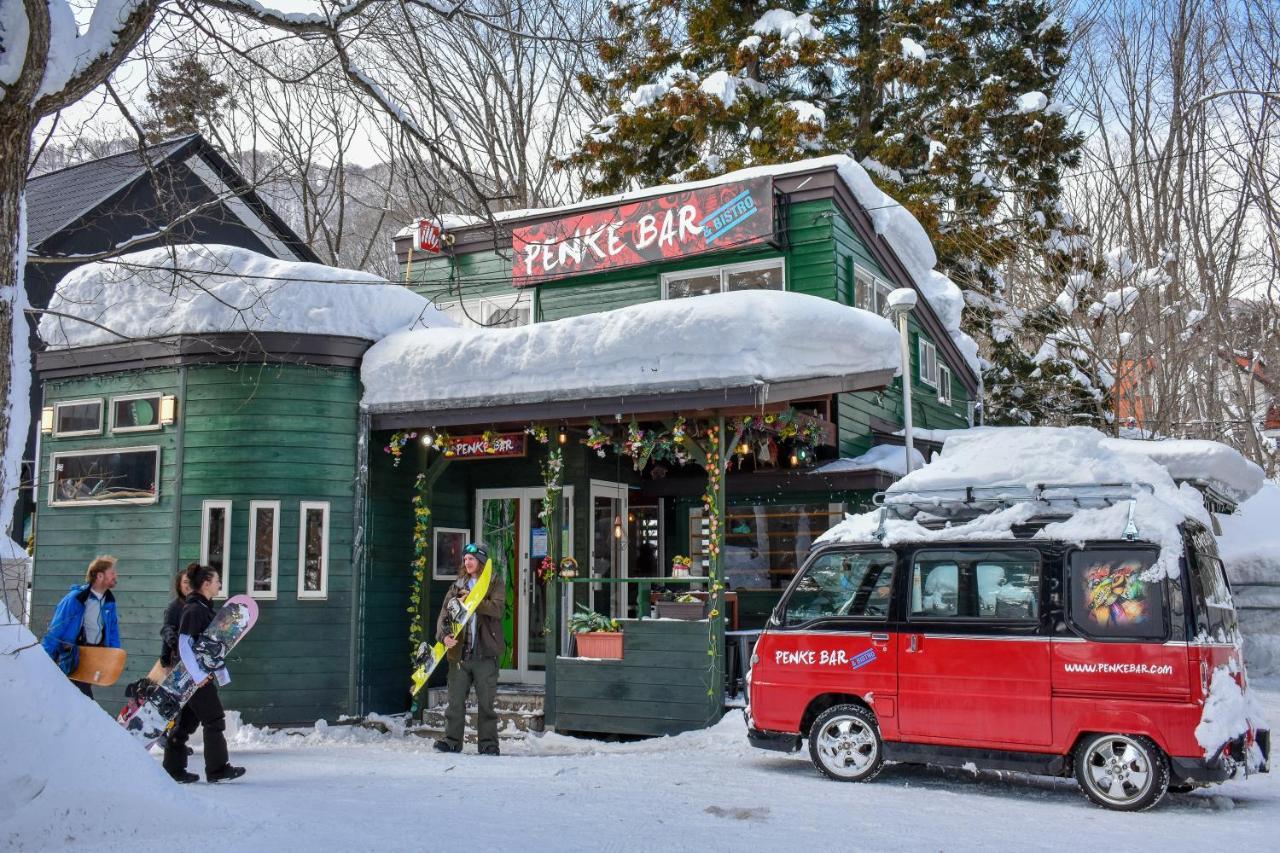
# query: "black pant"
[83,687]
[204,709]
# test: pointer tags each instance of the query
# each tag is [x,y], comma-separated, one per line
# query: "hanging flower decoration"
[490,438]
[598,438]
[539,432]
[421,564]
[547,570]
[710,506]
[443,442]
[395,445]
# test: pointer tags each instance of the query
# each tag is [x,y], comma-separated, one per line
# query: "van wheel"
[1128,773]
[845,744]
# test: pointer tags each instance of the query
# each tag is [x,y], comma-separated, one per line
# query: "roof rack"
[1078,494]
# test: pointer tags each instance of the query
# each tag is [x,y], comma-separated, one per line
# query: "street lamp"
[901,301]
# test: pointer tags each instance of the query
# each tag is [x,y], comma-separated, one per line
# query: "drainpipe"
[901,301]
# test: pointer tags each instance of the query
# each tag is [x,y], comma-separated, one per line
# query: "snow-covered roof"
[209,288]
[1022,458]
[1210,462]
[889,458]
[723,340]
[892,221]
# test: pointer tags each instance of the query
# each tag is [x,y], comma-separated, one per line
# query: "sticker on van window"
[863,658]
[1115,594]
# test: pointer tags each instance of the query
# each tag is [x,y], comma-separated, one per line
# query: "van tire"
[1127,773]
[845,744]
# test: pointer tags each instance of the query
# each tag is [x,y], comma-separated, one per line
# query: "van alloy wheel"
[845,744]
[1122,772]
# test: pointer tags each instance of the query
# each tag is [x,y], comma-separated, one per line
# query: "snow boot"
[489,749]
[225,773]
[182,777]
[445,746]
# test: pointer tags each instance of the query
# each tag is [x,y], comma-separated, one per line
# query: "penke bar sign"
[684,223]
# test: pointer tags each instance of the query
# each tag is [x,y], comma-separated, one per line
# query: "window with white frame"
[492,311]
[77,417]
[215,538]
[871,293]
[313,549]
[135,412]
[944,384]
[264,548]
[928,363]
[756,275]
[128,475]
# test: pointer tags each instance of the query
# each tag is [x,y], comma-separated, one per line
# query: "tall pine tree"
[949,103]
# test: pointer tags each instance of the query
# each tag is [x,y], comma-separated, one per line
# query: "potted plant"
[686,606]
[597,636]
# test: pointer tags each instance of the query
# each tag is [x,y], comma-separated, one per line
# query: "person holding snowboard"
[205,708]
[86,616]
[473,655]
[173,618]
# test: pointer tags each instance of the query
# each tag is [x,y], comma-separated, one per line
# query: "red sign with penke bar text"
[690,222]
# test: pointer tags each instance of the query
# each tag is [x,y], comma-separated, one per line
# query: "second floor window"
[757,275]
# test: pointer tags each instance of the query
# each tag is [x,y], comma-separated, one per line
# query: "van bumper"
[1236,756]
[776,741]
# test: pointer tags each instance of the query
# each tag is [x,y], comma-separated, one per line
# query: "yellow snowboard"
[429,657]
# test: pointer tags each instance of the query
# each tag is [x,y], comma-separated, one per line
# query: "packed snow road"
[340,788]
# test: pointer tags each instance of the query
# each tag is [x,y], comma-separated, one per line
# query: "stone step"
[508,698]
[518,720]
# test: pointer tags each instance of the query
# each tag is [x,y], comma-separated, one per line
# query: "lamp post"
[901,301]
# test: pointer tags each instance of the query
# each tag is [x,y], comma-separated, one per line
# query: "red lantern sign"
[429,236]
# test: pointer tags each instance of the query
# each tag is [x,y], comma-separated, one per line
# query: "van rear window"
[1109,598]
[964,584]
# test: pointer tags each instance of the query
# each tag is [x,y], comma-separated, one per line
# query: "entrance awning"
[733,350]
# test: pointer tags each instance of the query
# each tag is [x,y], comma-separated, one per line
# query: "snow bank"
[207,288]
[1250,548]
[1023,457]
[704,342]
[888,458]
[67,769]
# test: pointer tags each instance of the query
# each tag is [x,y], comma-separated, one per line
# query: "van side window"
[1215,613]
[1110,599]
[996,585]
[843,585]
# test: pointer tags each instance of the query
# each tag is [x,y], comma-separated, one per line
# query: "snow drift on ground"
[208,288]
[1030,456]
[893,222]
[68,771]
[714,341]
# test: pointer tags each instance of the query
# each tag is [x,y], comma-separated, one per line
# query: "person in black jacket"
[205,708]
[173,617]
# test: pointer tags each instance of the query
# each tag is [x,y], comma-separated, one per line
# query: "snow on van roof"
[1021,458]
[209,288]
[1194,460]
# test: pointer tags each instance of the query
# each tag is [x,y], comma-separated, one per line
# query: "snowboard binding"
[210,653]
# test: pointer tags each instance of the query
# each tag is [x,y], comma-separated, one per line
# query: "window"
[1215,612]
[843,585]
[124,475]
[135,413]
[215,538]
[446,552]
[995,585]
[944,385]
[313,549]
[1109,598]
[757,275]
[928,363]
[491,311]
[264,541]
[871,293]
[764,544]
[77,417]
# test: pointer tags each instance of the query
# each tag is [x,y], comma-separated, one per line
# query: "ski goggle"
[473,549]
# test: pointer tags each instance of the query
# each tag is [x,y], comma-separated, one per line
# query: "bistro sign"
[490,445]
[689,222]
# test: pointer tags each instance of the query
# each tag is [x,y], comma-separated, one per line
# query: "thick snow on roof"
[892,221]
[69,769]
[208,288]
[889,458]
[1026,457]
[704,342]
[1211,462]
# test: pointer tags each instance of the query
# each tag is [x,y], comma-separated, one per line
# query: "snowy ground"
[339,788]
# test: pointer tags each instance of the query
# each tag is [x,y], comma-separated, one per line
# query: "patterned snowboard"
[429,657]
[158,711]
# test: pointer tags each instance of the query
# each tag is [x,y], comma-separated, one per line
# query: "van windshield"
[1109,598]
[842,585]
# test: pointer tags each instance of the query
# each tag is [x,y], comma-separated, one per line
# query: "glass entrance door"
[608,547]
[508,522]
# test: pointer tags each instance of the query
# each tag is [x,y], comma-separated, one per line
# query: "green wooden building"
[264,454]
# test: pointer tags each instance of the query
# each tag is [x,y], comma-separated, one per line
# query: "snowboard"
[429,657]
[158,711]
[99,665]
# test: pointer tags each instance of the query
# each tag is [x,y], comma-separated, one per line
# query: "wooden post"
[554,593]
[720,457]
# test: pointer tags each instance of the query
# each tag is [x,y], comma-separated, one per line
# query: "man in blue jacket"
[86,616]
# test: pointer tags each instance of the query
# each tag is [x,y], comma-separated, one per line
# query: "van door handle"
[913,645]
[879,638]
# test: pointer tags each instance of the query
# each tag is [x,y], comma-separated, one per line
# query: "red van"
[1017,653]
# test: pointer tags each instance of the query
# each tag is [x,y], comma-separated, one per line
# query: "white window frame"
[928,353]
[67,404]
[225,506]
[158,395]
[482,309]
[254,506]
[724,272]
[880,290]
[303,592]
[98,451]
[944,383]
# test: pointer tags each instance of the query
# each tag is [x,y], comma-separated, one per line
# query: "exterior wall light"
[168,409]
[46,420]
